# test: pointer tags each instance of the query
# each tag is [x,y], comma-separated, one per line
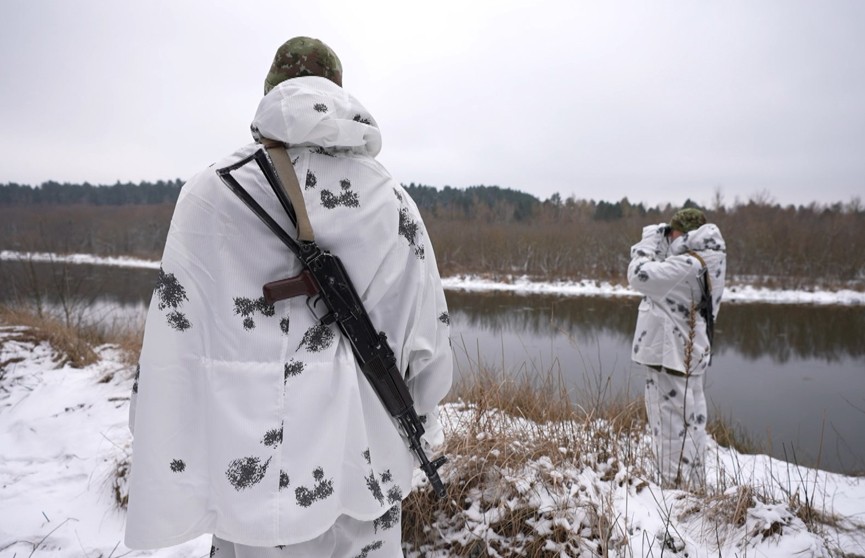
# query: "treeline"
[54,193]
[494,231]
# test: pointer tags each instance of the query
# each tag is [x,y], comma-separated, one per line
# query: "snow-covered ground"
[63,432]
[516,284]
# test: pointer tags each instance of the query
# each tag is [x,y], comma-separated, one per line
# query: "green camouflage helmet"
[688,219]
[303,56]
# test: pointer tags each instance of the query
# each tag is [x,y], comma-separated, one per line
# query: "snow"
[63,433]
[48,257]
[515,284]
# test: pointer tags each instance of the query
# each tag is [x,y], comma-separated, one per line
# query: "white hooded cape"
[254,422]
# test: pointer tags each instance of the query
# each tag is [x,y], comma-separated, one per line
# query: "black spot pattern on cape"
[273,437]
[293,368]
[321,151]
[283,480]
[320,107]
[410,229]
[712,244]
[322,489]
[386,476]
[388,520]
[398,195]
[364,552]
[169,290]
[374,487]
[310,180]
[177,320]
[346,198]
[641,275]
[317,338]
[177,466]
[367,457]
[213,550]
[362,120]
[245,472]
[394,495]
[137,375]
[171,294]
[247,307]
[445,318]
[640,340]
[678,307]
[283,325]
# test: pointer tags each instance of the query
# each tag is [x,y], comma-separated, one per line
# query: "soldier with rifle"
[296,347]
[680,269]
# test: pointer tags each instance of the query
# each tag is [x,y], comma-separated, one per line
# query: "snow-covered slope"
[63,436]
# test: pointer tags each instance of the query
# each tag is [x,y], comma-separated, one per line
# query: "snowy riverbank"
[514,284]
[63,435]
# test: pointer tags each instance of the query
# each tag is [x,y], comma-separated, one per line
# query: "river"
[791,375]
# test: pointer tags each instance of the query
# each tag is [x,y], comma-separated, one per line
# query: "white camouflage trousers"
[348,538]
[676,409]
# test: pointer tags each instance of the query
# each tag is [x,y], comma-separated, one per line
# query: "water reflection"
[792,376]
[781,332]
[109,297]
[786,332]
[76,283]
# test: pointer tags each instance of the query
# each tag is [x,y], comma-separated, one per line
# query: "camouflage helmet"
[303,56]
[688,219]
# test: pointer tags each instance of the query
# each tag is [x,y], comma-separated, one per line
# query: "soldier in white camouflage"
[252,421]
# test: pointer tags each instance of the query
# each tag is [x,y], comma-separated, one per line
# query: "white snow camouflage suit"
[677,354]
[253,422]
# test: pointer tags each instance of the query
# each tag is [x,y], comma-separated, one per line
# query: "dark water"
[793,376]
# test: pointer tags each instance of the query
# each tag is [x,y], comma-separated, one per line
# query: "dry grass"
[513,441]
[503,430]
[73,345]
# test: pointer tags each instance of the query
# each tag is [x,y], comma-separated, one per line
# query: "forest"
[487,230]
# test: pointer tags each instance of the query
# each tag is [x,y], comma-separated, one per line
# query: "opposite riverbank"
[737,291]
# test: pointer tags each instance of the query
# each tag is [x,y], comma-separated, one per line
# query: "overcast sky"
[656,101]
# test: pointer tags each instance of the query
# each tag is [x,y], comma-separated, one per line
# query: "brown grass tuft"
[73,345]
[503,429]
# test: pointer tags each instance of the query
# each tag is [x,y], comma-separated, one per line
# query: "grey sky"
[657,101]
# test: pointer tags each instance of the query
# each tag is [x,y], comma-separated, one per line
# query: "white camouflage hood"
[337,119]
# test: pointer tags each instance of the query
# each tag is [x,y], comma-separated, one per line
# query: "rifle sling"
[244,196]
[706,307]
[288,179]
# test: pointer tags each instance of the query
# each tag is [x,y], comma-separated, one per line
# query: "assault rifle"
[325,279]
